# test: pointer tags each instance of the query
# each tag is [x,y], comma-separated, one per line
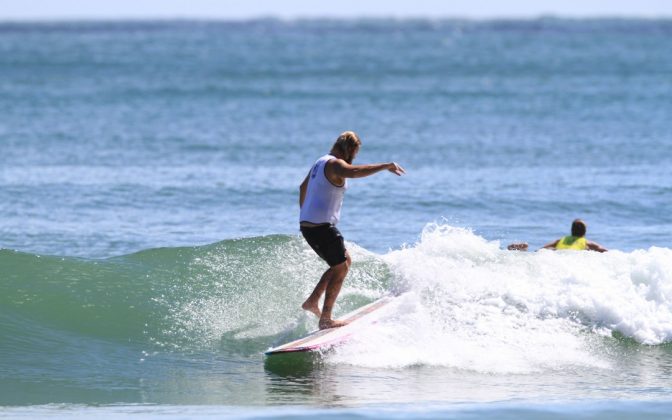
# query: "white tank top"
[323,200]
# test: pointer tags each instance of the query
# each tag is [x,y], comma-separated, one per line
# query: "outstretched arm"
[551,245]
[594,246]
[343,169]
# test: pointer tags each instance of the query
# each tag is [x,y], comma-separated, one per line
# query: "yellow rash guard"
[572,242]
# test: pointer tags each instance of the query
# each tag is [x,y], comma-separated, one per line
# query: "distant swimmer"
[576,241]
[320,198]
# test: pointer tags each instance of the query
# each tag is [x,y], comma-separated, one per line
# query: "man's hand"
[395,168]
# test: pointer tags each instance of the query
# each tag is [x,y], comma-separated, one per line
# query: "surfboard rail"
[323,339]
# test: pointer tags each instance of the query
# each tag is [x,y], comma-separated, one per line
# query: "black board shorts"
[327,242]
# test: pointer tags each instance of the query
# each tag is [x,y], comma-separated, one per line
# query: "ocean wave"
[238,294]
[463,301]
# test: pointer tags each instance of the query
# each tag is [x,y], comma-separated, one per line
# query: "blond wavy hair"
[347,143]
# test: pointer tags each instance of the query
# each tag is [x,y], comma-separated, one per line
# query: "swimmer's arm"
[551,245]
[518,246]
[594,246]
[302,191]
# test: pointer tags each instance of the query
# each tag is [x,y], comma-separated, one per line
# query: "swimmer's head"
[578,228]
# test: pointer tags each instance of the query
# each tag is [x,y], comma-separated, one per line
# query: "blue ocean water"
[149,248]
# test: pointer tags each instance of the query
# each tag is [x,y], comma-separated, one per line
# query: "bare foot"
[312,307]
[330,323]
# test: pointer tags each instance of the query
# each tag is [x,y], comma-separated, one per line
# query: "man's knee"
[342,268]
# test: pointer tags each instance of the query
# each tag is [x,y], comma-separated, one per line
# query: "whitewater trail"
[470,304]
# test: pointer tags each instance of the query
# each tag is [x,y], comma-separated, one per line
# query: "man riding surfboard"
[320,199]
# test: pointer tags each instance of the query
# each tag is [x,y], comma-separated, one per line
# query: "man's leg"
[312,303]
[333,288]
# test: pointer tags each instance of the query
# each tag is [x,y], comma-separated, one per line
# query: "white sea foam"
[469,304]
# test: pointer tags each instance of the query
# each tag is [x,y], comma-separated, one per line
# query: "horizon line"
[264,17]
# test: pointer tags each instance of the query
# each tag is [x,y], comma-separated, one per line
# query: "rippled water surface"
[149,248]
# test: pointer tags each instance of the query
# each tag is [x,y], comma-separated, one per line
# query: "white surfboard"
[323,339]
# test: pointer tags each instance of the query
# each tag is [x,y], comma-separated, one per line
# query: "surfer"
[576,241]
[320,199]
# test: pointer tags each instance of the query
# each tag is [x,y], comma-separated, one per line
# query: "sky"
[289,9]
